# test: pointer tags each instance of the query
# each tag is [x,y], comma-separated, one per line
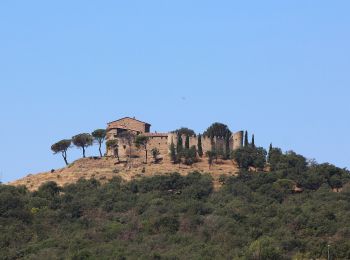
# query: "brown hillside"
[106,168]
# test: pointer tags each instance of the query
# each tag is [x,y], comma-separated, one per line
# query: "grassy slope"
[105,168]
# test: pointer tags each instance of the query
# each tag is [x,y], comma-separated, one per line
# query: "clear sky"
[280,69]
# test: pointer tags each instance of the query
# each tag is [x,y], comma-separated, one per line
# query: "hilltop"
[176,202]
[133,151]
[106,168]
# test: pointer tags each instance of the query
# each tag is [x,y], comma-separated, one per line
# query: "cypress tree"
[246,142]
[227,146]
[200,148]
[253,141]
[179,145]
[172,152]
[187,142]
[270,150]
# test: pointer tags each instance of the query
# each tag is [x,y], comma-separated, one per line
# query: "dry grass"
[106,168]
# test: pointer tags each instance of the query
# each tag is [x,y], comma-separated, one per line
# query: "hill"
[297,210]
[105,168]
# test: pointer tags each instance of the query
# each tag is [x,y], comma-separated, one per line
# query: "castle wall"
[163,141]
[207,143]
[159,142]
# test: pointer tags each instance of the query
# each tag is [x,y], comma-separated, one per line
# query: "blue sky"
[279,69]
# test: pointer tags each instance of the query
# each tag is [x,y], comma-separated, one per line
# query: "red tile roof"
[127,117]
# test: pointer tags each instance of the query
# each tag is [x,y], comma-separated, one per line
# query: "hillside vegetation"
[292,212]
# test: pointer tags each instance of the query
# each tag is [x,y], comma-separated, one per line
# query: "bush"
[249,156]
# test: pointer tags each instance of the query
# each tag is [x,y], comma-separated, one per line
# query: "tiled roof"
[127,117]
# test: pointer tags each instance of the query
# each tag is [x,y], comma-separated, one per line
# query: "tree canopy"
[99,135]
[82,141]
[218,130]
[250,156]
[185,131]
[62,147]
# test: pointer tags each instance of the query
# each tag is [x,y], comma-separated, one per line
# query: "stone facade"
[127,124]
[161,141]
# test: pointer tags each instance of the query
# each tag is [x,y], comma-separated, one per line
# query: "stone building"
[162,141]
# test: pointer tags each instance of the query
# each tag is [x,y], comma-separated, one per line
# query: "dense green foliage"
[252,216]
[218,130]
[249,156]
[185,131]
[187,156]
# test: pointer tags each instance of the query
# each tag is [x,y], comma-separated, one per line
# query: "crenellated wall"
[236,141]
[162,141]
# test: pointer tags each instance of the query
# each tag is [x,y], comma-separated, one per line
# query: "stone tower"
[238,140]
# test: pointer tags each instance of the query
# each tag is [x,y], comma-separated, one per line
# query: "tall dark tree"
[83,141]
[187,142]
[62,147]
[199,146]
[141,141]
[246,142]
[172,152]
[269,154]
[253,141]
[99,135]
[227,147]
[179,145]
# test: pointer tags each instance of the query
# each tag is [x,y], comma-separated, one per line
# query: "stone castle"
[161,141]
